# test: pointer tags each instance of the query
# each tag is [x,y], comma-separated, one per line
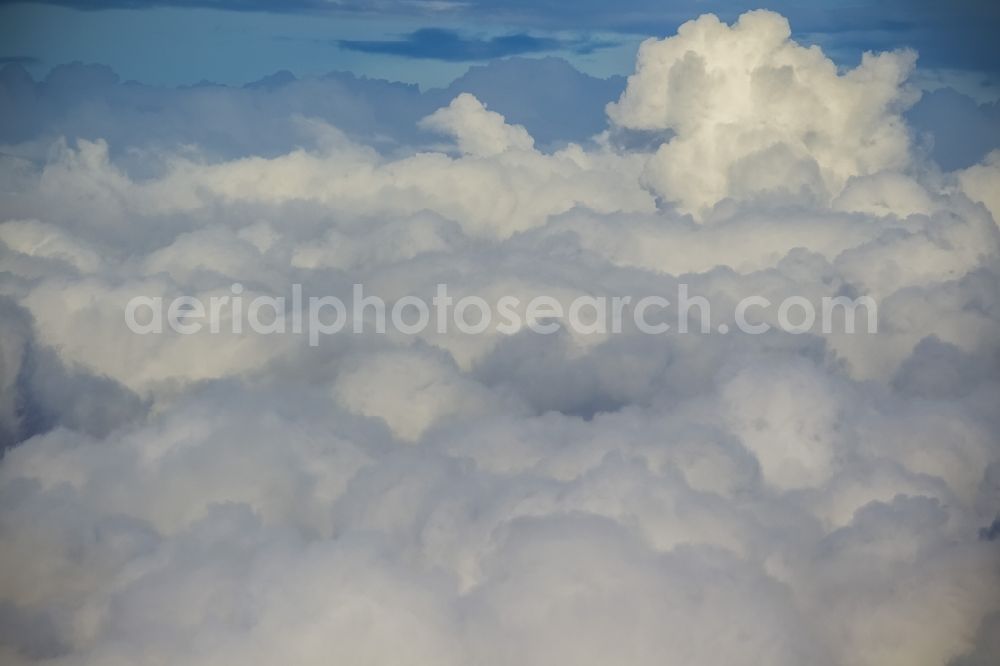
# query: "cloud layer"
[449,45]
[504,499]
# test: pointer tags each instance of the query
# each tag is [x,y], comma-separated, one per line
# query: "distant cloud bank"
[441,44]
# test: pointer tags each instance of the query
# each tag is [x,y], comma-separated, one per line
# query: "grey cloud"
[961,132]
[449,45]
[556,102]
[991,532]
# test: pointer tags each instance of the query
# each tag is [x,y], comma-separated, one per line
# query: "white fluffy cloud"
[752,113]
[980,183]
[449,498]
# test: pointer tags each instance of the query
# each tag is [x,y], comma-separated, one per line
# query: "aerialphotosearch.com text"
[236,312]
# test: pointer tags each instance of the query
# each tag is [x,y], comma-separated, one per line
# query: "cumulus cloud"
[508,497]
[478,131]
[979,182]
[752,113]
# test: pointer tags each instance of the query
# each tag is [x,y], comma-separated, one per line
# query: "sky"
[431,43]
[499,334]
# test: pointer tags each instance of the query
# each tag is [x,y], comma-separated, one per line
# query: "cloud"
[960,131]
[18,60]
[478,131]
[758,113]
[443,44]
[554,101]
[979,182]
[450,498]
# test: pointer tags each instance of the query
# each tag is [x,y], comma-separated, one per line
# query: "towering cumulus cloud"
[755,113]
[507,496]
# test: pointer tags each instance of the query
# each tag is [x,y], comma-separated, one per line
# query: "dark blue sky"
[431,42]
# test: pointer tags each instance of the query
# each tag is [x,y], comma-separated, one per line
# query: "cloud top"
[751,112]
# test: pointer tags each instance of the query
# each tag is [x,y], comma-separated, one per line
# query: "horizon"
[181,43]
